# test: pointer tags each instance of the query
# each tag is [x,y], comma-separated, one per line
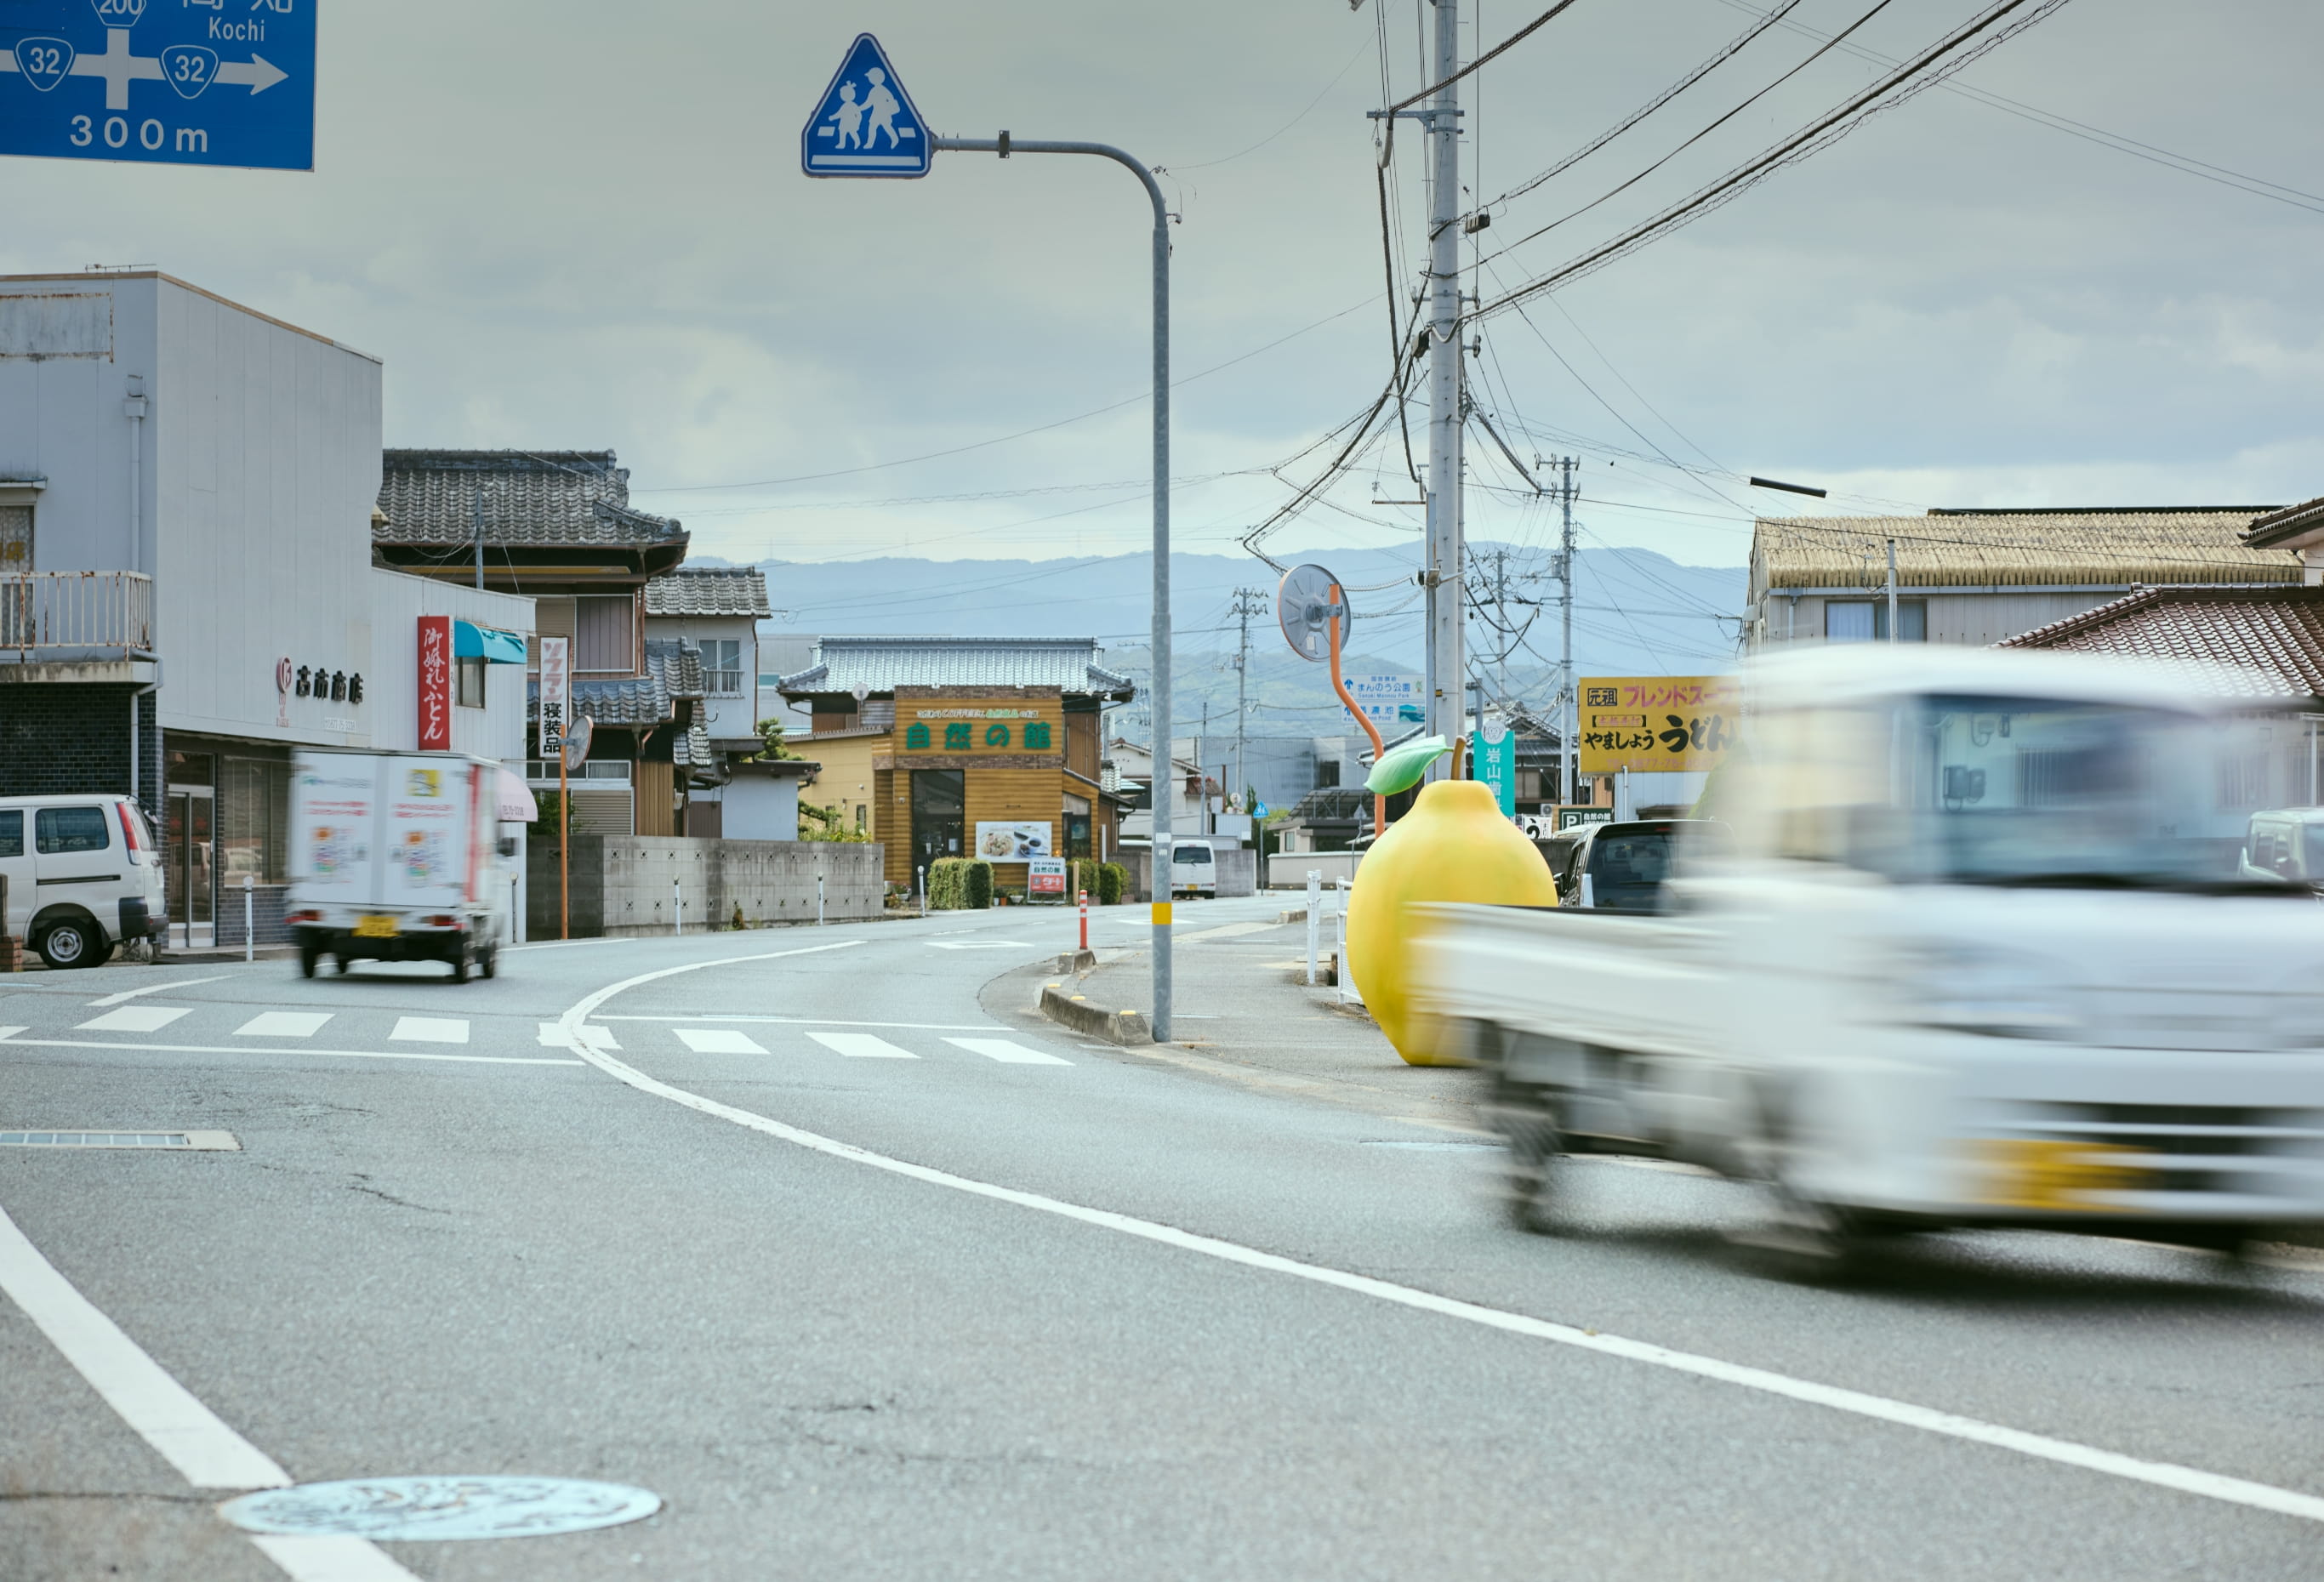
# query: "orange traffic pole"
[1379,804]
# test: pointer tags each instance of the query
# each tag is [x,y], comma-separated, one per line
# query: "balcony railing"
[47,616]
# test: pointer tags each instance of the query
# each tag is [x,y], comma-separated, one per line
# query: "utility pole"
[1248,601]
[480,533]
[1569,713]
[1444,573]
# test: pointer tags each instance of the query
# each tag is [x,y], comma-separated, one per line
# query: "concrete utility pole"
[480,535]
[1569,713]
[1447,668]
[1248,601]
[1159,689]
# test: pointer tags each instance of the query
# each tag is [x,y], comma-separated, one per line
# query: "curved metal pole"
[1379,803]
[1163,773]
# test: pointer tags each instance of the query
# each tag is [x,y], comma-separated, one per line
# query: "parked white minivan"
[1194,868]
[84,874]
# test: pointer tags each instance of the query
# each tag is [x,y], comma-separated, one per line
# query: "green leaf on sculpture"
[1400,768]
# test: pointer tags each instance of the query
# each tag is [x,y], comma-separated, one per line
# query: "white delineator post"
[924,889]
[249,908]
[677,906]
[1314,921]
[1340,944]
[818,900]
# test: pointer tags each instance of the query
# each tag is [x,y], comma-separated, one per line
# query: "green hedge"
[1113,883]
[960,884]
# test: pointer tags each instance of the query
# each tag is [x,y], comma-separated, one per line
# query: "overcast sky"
[582,225]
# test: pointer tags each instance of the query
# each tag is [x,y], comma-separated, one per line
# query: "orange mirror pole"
[1379,804]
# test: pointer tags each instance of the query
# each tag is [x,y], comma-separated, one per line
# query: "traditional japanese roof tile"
[676,665]
[625,701]
[2236,642]
[882,663]
[2018,548]
[709,589]
[2293,521]
[553,498]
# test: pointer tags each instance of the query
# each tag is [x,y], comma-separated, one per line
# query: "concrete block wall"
[637,884]
[66,739]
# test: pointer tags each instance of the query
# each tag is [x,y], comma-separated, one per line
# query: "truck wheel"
[1530,1180]
[310,955]
[72,943]
[491,965]
[1808,1243]
[460,961]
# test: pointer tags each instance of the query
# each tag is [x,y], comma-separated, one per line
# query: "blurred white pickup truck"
[1977,949]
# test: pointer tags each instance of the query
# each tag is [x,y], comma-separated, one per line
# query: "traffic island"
[1127,1028]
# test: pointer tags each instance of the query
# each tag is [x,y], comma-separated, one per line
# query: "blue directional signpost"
[162,82]
[866,125]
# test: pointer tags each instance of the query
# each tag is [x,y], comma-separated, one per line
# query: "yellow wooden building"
[955,747]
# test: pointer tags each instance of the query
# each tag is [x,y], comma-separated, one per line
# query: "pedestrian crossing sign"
[865,124]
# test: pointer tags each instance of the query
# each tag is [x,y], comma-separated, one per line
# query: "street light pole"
[1446,670]
[1004,145]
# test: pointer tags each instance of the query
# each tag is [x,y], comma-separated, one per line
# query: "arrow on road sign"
[46,62]
[865,124]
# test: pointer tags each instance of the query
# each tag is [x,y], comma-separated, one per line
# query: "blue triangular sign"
[865,124]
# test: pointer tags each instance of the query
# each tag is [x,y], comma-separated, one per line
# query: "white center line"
[2167,1474]
[818,1022]
[13,1042]
[134,1019]
[863,1045]
[114,999]
[430,1030]
[714,1041]
[1009,1053]
[284,1025]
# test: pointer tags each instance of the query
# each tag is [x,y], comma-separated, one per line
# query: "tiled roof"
[2292,521]
[628,700]
[677,665]
[882,663]
[709,589]
[2017,549]
[556,497]
[2272,638]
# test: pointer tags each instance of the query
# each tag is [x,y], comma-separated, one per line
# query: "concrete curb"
[1126,1029]
[1077,961]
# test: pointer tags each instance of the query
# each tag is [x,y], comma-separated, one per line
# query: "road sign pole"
[1164,774]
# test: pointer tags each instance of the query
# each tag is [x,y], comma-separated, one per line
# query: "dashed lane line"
[2181,1479]
[134,1019]
[863,1045]
[430,1030]
[715,1041]
[284,1025]
[1006,1052]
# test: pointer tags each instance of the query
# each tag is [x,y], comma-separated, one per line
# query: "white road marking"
[595,1036]
[134,1019]
[2236,1491]
[430,1030]
[1003,1050]
[553,1036]
[712,1041]
[284,1025]
[979,944]
[165,1414]
[482,1060]
[567,945]
[128,994]
[863,1045]
[801,1021]
[1229,931]
[12,1031]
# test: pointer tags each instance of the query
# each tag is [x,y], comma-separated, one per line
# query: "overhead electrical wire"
[1891,90]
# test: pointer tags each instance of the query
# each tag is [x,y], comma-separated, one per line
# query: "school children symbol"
[865,124]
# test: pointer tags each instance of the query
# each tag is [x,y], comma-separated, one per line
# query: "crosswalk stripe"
[430,1030]
[597,1037]
[284,1025]
[1002,1049]
[717,1041]
[134,1019]
[863,1046]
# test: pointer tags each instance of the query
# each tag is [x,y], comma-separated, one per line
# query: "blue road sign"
[161,82]
[865,125]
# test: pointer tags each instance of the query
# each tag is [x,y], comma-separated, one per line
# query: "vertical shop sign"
[435,683]
[555,693]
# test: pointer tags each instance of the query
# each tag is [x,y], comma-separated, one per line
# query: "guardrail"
[56,614]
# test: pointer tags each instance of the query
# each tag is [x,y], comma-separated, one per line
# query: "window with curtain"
[1865,620]
[722,665]
[254,816]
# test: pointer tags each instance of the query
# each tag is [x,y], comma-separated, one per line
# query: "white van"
[1193,870]
[84,874]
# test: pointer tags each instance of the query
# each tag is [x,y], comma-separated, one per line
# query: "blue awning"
[470,641]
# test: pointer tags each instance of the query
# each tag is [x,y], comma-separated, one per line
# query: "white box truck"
[1976,954]
[394,857]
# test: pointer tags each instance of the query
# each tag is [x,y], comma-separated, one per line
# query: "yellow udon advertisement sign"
[1654,724]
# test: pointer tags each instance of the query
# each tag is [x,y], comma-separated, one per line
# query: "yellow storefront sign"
[1651,724]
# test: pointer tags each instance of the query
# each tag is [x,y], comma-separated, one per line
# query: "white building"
[187,591]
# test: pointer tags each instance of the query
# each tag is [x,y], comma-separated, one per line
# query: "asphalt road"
[864,1282]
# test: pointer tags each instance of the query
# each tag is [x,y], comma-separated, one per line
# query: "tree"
[771,732]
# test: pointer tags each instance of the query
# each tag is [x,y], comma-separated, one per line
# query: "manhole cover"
[440,1507]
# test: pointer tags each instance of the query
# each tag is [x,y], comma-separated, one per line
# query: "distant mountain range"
[1636,613]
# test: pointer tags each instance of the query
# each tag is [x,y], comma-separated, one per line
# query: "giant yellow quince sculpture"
[1454,845]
